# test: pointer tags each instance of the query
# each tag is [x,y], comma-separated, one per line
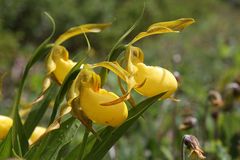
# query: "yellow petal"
[115,68]
[125,97]
[37,133]
[152,31]
[130,100]
[62,69]
[5,125]
[157,80]
[133,55]
[113,115]
[58,63]
[177,25]
[74,31]
[119,71]
[164,27]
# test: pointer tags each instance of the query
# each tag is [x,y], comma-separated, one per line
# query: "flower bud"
[5,125]
[193,145]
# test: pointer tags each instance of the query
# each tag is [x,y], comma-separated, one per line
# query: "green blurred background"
[206,55]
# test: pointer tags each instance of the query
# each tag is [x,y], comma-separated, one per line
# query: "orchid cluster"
[87,100]
[82,86]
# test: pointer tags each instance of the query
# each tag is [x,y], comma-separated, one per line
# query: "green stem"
[84,142]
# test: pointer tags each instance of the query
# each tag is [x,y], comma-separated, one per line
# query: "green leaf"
[19,139]
[74,154]
[111,135]
[38,111]
[19,142]
[48,147]
[6,146]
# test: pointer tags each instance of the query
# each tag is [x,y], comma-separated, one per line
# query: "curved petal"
[74,31]
[164,27]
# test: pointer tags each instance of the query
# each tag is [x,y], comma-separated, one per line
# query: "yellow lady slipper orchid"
[57,63]
[5,125]
[37,133]
[151,80]
[86,87]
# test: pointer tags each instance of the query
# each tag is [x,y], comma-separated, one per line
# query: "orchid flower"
[58,63]
[89,100]
[153,80]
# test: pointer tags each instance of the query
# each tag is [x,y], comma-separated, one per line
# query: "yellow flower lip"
[150,80]
[157,80]
[5,125]
[113,115]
